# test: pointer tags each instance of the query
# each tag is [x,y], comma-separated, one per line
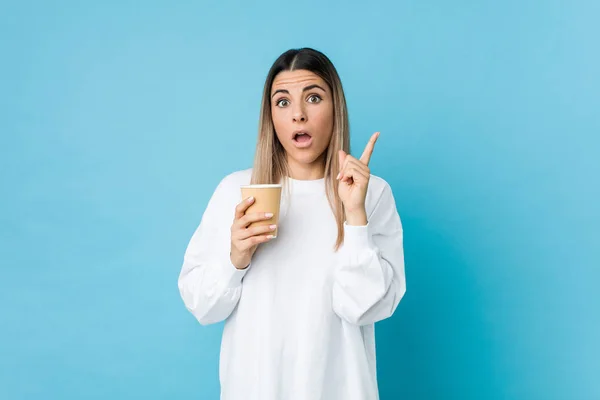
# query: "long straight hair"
[270,162]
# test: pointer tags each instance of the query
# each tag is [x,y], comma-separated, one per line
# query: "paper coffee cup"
[267,198]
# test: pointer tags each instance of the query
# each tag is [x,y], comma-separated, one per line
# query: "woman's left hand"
[354,180]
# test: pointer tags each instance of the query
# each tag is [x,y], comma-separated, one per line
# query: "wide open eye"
[282,103]
[313,98]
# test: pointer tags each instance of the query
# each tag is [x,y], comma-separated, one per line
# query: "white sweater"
[299,319]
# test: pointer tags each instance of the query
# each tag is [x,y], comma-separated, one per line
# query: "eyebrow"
[309,87]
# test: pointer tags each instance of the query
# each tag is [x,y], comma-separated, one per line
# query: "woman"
[300,308]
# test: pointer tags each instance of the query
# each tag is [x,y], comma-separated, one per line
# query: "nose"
[299,115]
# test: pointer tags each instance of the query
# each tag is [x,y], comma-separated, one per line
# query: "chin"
[306,158]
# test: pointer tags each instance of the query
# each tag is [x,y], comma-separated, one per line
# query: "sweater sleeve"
[209,284]
[370,281]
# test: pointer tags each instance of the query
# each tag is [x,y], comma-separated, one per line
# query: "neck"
[307,172]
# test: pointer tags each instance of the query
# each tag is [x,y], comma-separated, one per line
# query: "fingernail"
[268,215]
[270,236]
[338,176]
[250,199]
[272,227]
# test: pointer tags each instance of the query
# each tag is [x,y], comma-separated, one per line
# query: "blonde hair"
[270,162]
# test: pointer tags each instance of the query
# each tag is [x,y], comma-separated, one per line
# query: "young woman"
[299,309]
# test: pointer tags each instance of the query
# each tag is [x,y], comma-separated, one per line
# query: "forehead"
[297,79]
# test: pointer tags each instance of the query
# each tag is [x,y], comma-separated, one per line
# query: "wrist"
[357,217]
[238,264]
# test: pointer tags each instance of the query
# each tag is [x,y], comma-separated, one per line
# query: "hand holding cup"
[255,222]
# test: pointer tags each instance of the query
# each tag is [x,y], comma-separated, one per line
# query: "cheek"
[278,121]
[324,120]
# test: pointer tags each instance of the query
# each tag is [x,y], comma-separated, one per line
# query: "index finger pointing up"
[366,155]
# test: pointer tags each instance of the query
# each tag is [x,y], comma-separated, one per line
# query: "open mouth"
[302,137]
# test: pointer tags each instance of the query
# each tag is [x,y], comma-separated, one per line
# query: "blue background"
[117,121]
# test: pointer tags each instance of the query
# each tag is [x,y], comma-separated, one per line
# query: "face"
[302,112]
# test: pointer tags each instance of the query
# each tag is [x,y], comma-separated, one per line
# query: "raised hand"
[354,180]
